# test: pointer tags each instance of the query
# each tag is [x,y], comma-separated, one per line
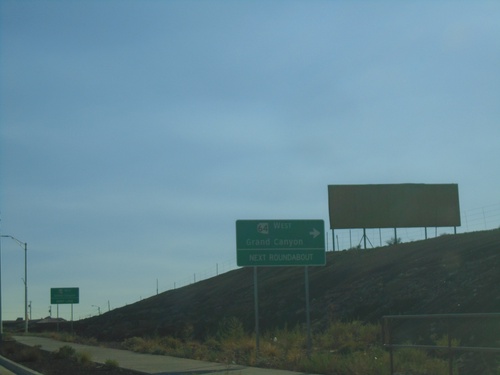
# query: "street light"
[25,245]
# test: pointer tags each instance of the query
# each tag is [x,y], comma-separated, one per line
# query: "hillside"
[448,274]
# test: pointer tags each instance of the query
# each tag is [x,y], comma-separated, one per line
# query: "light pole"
[25,245]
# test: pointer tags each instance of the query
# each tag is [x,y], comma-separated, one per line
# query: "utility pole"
[25,245]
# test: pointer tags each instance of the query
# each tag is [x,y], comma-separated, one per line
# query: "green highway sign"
[59,296]
[280,242]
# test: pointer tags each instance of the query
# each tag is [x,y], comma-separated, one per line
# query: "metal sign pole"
[256,302]
[308,315]
[25,287]
[1,321]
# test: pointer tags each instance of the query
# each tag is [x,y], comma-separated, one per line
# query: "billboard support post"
[333,240]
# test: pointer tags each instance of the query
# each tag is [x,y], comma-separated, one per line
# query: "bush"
[394,241]
[62,336]
[348,337]
[64,352]
[111,364]
[240,350]
[84,358]
[230,328]
[135,344]
[170,343]
[416,361]
[30,355]
[340,349]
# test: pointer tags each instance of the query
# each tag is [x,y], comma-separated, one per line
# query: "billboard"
[393,206]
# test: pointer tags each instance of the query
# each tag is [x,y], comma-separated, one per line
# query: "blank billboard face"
[393,206]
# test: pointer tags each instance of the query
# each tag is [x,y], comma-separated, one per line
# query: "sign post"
[280,243]
[59,296]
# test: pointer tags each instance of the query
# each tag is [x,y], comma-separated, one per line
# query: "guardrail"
[450,322]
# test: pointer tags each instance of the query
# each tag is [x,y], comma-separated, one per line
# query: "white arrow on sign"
[315,233]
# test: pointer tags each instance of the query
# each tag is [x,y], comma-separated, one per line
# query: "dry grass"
[341,349]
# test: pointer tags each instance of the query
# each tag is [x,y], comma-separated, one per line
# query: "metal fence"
[477,219]
[456,328]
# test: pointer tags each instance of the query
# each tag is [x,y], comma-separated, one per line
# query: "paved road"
[151,364]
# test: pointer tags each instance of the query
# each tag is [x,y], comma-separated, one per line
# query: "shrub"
[374,361]
[230,328]
[65,351]
[88,341]
[238,351]
[29,354]
[7,336]
[84,358]
[416,361]
[135,344]
[213,344]
[170,343]
[340,349]
[111,364]
[288,338]
[443,341]
[394,241]
[348,337]
[62,336]
[142,345]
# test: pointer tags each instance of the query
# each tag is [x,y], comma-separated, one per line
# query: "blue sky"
[135,133]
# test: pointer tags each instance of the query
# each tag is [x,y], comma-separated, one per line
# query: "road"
[148,363]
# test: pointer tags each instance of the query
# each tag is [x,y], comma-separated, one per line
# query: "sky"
[133,134]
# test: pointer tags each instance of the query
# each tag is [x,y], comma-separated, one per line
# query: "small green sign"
[60,296]
[280,242]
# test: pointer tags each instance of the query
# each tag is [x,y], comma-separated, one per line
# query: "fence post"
[450,352]
[387,328]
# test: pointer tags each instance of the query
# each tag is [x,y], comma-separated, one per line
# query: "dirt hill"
[448,274]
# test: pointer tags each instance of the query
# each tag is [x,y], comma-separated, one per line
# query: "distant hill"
[448,274]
